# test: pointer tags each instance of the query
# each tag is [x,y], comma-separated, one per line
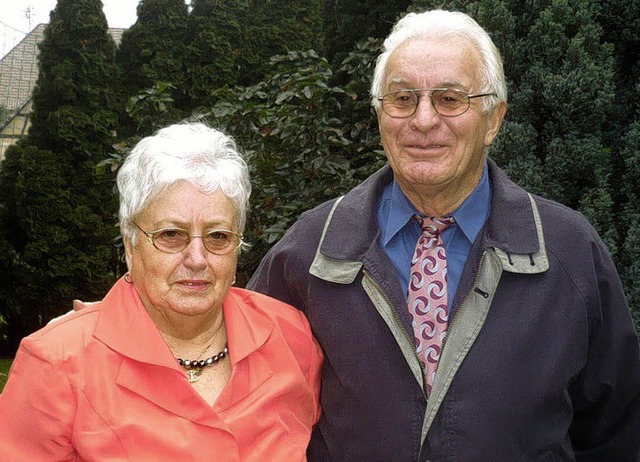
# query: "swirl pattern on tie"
[427,293]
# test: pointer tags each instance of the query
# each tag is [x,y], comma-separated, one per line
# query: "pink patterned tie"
[427,293]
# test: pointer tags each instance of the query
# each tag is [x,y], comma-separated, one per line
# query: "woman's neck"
[194,336]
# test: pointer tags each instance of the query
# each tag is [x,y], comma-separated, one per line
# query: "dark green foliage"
[273,28]
[56,216]
[561,86]
[629,218]
[305,141]
[150,57]
[152,109]
[5,365]
[214,47]
[230,42]
[631,273]
[76,71]
[57,248]
[152,49]
[348,22]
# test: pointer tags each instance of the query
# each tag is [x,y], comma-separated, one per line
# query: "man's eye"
[450,98]
[403,98]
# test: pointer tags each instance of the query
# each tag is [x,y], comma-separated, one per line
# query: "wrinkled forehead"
[427,62]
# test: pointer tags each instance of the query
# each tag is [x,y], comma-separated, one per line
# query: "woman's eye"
[171,235]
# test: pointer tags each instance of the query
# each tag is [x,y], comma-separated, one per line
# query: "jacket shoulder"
[290,321]
[310,223]
[63,337]
[271,307]
[562,222]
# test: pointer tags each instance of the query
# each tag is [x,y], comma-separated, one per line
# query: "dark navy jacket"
[541,362]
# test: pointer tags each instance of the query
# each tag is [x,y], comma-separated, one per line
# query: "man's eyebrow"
[403,83]
[398,81]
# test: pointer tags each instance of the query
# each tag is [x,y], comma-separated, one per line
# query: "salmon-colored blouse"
[102,385]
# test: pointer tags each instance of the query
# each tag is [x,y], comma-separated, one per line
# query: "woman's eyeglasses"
[174,240]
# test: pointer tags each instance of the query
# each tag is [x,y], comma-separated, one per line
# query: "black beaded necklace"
[194,367]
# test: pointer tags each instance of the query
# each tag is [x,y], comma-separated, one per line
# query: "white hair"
[444,24]
[203,156]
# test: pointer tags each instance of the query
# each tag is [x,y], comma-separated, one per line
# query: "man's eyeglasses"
[174,240]
[447,102]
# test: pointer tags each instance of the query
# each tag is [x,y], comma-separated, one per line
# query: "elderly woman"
[174,364]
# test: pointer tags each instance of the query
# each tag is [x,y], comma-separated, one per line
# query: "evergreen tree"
[151,53]
[564,88]
[214,40]
[629,218]
[56,215]
[348,22]
[306,140]
[77,74]
[230,42]
[620,20]
[277,27]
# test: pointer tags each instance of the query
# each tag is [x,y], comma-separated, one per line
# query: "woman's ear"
[128,249]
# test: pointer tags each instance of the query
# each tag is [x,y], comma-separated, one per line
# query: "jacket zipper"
[410,338]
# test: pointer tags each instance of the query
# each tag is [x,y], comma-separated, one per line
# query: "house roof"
[19,69]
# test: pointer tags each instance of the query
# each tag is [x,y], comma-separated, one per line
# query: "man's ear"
[495,119]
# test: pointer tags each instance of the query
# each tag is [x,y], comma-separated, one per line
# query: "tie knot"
[434,225]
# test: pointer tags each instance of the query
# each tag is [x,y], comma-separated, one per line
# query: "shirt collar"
[474,211]
[470,216]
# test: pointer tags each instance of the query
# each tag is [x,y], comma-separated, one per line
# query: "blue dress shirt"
[399,233]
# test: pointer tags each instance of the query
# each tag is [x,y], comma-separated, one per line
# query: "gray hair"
[445,24]
[205,157]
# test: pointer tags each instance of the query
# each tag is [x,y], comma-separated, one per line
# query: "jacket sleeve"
[313,368]
[606,395]
[269,277]
[37,408]
[283,272]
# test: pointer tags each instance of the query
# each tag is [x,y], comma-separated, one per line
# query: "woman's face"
[193,281]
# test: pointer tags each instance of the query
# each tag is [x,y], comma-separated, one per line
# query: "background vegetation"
[5,365]
[289,80]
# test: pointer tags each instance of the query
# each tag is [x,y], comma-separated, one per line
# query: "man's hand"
[77,306]
[80,305]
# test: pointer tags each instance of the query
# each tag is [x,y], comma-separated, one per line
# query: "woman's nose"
[195,253]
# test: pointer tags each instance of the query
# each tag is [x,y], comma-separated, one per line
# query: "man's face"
[437,160]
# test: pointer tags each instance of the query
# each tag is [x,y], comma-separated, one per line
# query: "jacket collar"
[248,326]
[125,327]
[514,228]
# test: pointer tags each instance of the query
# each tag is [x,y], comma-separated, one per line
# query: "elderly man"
[462,318]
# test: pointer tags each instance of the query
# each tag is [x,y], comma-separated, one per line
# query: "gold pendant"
[193,375]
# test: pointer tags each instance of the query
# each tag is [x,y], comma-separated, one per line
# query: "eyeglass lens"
[446,102]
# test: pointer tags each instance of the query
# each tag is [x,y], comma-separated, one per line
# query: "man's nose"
[426,115]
